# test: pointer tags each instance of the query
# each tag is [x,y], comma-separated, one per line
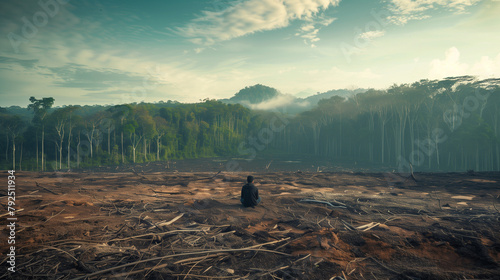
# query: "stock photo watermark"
[427,147]
[254,144]
[31,25]
[363,37]
[11,220]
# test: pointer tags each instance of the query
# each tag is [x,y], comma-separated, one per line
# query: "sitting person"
[249,194]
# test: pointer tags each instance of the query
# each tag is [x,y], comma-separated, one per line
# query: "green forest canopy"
[443,125]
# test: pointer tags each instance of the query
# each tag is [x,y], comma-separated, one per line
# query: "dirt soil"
[311,225]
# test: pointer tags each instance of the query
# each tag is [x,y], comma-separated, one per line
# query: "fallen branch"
[54,215]
[40,186]
[171,221]
[198,258]
[338,203]
[272,271]
[154,234]
[57,249]
[252,248]
[207,178]
[215,175]
[324,202]
[368,226]
[139,175]
[29,196]
[41,222]
[8,213]
[347,225]
[206,276]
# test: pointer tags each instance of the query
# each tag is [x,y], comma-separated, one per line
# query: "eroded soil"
[190,225]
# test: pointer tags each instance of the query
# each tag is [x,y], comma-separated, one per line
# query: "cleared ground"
[190,225]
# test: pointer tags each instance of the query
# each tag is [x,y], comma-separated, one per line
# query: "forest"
[434,125]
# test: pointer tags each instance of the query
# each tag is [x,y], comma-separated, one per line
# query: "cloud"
[28,63]
[250,16]
[406,10]
[487,67]
[283,100]
[276,102]
[22,22]
[82,59]
[451,65]
[76,76]
[370,35]
[309,31]
[333,78]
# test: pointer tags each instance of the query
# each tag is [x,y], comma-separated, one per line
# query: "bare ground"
[190,225]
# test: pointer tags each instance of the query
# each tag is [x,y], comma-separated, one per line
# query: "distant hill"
[314,99]
[253,95]
[261,97]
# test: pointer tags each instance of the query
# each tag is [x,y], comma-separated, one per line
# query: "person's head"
[250,179]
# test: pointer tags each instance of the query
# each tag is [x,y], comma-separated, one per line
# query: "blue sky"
[113,52]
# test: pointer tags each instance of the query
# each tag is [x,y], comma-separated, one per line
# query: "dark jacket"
[249,195]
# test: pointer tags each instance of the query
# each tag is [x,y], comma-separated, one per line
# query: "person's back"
[250,194]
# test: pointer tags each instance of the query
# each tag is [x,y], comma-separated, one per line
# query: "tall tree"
[40,108]
[121,112]
[15,127]
[161,129]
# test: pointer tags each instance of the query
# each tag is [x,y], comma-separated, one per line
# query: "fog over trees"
[441,125]
[435,125]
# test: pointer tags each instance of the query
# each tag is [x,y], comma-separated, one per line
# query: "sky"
[113,52]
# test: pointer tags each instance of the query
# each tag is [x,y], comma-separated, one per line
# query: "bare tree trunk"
[60,156]
[21,158]
[145,152]
[13,152]
[383,139]
[158,148]
[60,132]
[134,145]
[56,146]
[437,152]
[78,151]
[133,152]
[37,168]
[340,130]
[69,148]
[109,139]
[90,137]
[123,157]
[7,149]
[43,150]
[133,149]
[429,158]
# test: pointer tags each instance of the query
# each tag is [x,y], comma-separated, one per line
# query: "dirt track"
[121,226]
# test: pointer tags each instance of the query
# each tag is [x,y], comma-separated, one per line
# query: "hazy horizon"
[117,52]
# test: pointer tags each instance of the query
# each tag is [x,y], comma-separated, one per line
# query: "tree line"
[441,125]
[62,138]
[447,125]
